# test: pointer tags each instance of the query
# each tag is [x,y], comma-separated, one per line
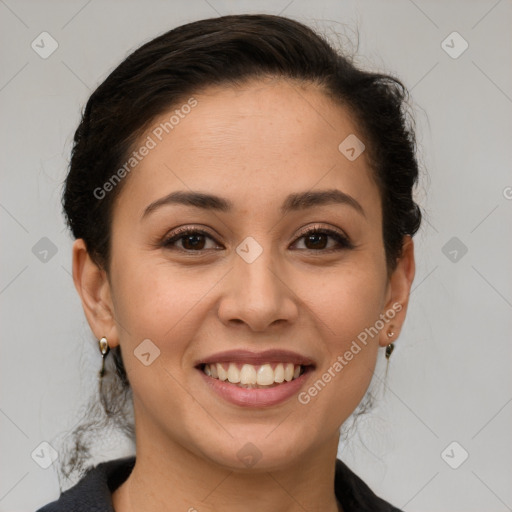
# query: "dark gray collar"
[93,492]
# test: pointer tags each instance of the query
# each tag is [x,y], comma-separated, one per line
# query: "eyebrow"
[293,202]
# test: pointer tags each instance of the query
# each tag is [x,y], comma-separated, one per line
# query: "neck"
[175,479]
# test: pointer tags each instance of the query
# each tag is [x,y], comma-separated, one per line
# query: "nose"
[258,295]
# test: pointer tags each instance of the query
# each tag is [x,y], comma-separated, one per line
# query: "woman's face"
[252,288]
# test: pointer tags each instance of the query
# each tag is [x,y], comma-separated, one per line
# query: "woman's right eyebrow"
[293,202]
[191,198]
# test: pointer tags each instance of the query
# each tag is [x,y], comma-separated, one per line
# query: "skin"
[253,145]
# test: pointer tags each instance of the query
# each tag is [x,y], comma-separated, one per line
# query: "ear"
[92,284]
[398,291]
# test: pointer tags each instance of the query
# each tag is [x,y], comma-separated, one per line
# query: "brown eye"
[192,240]
[317,240]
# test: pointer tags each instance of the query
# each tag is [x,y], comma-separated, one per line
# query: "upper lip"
[255,358]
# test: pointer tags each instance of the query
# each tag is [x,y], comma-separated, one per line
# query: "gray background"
[449,378]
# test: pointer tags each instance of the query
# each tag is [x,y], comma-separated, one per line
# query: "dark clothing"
[93,493]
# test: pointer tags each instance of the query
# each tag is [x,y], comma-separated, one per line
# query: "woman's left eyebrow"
[293,202]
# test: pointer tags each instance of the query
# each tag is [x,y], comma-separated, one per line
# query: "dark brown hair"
[228,50]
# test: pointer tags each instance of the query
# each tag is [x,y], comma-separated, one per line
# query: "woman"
[241,199]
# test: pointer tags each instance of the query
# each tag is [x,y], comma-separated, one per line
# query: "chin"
[257,449]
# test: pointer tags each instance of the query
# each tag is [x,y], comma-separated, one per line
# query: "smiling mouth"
[246,375]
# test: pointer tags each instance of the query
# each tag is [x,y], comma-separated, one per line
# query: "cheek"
[345,301]
[156,303]
[344,306]
[159,301]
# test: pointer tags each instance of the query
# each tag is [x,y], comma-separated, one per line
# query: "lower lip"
[255,397]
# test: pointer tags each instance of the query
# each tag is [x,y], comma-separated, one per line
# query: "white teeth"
[223,374]
[247,374]
[233,373]
[251,376]
[265,375]
[288,372]
[279,373]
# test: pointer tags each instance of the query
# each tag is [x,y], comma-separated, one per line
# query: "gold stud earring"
[104,350]
[389,350]
[391,346]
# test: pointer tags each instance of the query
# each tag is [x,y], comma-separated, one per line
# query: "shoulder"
[354,495]
[93,492]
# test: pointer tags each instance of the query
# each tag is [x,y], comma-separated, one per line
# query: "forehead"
[266,138]
[254,113]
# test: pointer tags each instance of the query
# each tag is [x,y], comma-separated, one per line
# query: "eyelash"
[343,242]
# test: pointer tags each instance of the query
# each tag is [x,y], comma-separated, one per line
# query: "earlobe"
[93,287]
[399,289]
